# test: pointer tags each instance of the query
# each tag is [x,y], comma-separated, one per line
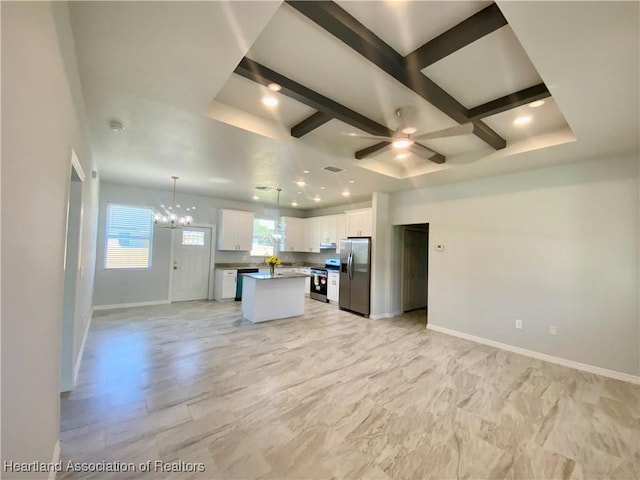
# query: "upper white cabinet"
[341,229]
[235,230]
[311,234]
[293,239]
[328,229]
[360,223]
[307,234]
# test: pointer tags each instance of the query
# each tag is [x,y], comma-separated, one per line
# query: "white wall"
[556,246]
[90,186]
[40,127]
[114,287]
[381,258]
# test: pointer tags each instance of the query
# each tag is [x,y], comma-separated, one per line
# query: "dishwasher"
[241,272]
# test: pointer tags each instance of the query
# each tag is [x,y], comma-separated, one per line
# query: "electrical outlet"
[553,330]
[518,324]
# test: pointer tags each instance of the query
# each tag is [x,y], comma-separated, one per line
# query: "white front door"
[191,263]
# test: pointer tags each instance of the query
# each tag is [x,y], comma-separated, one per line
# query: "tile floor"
[334,395]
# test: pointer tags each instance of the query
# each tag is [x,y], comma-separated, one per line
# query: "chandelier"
[171,219]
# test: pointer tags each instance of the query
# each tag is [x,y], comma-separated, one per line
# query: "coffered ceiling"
[166,71]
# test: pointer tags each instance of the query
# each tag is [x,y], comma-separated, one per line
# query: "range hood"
[327,245]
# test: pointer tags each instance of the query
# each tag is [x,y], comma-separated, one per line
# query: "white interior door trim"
[75,164]
[211,259]
[68,363]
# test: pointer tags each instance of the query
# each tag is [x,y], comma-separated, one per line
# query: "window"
[193,237]
[129,237]
[262,242]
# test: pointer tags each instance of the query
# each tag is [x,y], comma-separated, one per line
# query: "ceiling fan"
[404,136]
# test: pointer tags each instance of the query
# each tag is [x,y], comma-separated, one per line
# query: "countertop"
[277,276]
[235,266]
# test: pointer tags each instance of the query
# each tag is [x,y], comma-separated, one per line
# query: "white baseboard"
[129,305]
[625,377]
[80,353]
[55,459]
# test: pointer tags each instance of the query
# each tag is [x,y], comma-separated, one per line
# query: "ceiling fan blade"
[376,149]
[422,151]
[463,129]
[368,137]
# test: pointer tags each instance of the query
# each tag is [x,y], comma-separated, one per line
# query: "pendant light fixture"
[171,219]
[278,233]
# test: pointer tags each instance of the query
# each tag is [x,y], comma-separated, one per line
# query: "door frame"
[68,364]
[402,272]
[211,258]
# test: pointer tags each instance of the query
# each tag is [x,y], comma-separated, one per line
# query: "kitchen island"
[266,297]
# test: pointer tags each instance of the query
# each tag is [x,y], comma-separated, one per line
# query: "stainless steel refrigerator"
[355,275]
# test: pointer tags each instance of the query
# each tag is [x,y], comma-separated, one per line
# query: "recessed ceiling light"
[352,181]
[178,206]
[161,206]
[300,183]
[299,193]
[345,193]
[256,197]
[402,143]
[536,104]
[522,120]
[193,208]
[402,156]
[305,171]
[321,188]
[294,204]
[317,199]
[409,130]
[274,87]
[270,101]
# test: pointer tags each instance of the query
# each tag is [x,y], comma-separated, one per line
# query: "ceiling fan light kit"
[171,219]
[402,143]
[404,138]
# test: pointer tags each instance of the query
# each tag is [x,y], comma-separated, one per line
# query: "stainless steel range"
[319,280]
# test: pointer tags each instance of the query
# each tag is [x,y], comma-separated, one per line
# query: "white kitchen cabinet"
[235,230]
[311,229]
[341,229]
[328,228]
[360,223]
[333,286]
[307,281]
[293,234]
[225,284]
